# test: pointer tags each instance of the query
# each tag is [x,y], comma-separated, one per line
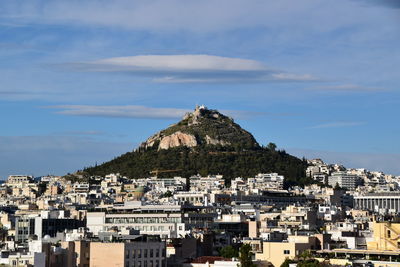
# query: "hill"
[204,142]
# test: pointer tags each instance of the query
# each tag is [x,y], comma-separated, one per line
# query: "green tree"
[245,256]
[271,146]
[228,252]
[167,194]
[305,255]
[309,263]
[287,262]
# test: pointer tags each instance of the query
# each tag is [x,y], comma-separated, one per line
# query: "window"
[145,253]
[286,252]
[151,253]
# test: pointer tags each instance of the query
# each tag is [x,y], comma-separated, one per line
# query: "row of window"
[126,220]
[145,253]
[153,228]
[154,263]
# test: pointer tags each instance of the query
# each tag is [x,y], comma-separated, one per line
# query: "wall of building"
[106,254]
[386,236]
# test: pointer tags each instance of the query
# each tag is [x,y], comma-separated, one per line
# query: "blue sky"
[84,81]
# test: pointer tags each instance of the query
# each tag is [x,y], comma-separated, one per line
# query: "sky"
[84,81]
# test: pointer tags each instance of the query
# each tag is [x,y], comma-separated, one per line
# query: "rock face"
[211,141]
[202,127]
[177,139]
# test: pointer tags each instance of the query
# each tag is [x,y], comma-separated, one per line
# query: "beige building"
[78,253]
[386,236]
[106,254]
[19,180]
[128,254]
[277,252]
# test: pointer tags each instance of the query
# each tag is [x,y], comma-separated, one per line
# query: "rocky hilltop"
[202,127]
[204,142]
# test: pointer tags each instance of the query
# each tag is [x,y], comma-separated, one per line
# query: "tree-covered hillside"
[204,161]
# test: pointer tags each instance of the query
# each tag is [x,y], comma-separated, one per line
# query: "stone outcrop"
[177,139]
[212,141]
[203,126]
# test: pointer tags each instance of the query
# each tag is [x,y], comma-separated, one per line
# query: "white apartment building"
[162,220]
[344,180]
[19,179]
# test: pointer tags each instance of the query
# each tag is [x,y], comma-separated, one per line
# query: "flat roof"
[360,251]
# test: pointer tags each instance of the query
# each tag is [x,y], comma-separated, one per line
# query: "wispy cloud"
[23,95]
[154,15]
[179,63]
[346,88]
[338,124]
[142,112]
[80,133]
[191,69]
[130,111]
[386,3]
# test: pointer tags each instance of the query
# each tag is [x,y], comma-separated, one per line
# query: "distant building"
[19,179]
[344,180]
[277,252]
[163,220]
[388,202]
[27,226]
[141,252]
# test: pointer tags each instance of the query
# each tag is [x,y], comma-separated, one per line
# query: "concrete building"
[163,220]
[28,226]
[19,180]
[194,198]
[277,252]
[142,252]
[386,236]
[378,202]
[344,180]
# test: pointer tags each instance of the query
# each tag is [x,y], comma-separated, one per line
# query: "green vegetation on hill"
[204,161]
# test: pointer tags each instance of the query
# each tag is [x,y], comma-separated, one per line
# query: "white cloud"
[346,88]
[130,111]
[338,124]
[144,112]
[180,63]
[191,69]
[293,77]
